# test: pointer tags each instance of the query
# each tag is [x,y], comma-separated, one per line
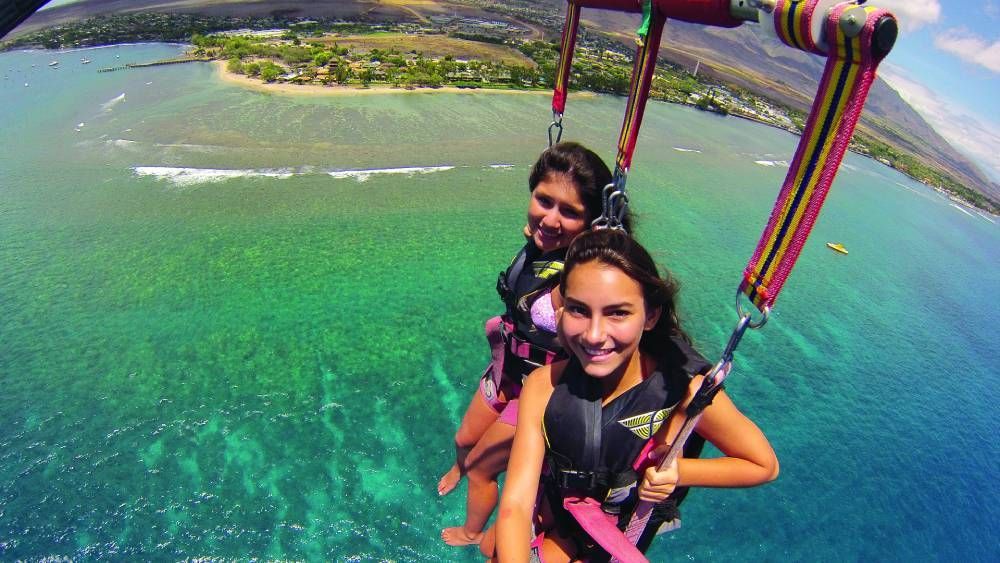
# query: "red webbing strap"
[638,93]
[565,57]
[849,73]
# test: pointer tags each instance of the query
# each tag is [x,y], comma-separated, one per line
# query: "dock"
[128,66]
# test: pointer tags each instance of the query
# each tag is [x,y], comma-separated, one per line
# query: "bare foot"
[449,480]
[458,536]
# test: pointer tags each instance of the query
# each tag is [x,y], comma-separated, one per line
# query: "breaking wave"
[364,175]
[963,210]
[194,176]
[180,176]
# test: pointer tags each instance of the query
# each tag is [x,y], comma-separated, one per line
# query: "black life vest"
[591,449]
[529,275]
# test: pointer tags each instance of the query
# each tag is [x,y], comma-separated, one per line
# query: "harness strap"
[525,350]
[521,357]
[849,73]
[642,76]
[565,57]
[507,280]
[615,198]
[603,529]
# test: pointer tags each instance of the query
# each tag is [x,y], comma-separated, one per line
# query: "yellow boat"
[837,246]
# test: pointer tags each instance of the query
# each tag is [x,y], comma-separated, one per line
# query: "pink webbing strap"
[793,24]
[849,73]
[602,528]
[565,57]
[638,92]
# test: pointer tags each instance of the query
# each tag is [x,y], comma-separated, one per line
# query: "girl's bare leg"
[478,418]
[488,545]
[484,463]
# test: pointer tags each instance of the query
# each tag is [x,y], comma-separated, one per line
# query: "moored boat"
[837,246]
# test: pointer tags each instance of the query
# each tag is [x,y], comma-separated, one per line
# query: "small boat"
[84,61]
[837,246]
[54,63]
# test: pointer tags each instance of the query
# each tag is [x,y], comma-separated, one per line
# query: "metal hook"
[617,207]
[734,339]
[712,379]
[739,311]
[602,221]
[556,124]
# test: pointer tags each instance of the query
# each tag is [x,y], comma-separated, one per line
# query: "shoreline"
[287,89]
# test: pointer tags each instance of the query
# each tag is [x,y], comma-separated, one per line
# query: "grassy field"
[430,46]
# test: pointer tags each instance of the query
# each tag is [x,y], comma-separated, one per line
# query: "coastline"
[286,89]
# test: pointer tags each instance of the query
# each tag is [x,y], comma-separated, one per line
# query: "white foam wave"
[772,163]
[106,106]
[909,189]
[364,175]
[194,176]
[122,143]
[682,149]
[963,210]
[501,166]
[986,217]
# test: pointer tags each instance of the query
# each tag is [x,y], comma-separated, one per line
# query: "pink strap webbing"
[602,528]
[642,77]
[565,57]
[847,77]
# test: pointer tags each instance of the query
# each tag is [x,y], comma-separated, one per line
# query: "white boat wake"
[107,106]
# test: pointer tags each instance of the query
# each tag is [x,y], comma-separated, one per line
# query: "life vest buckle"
[578,480]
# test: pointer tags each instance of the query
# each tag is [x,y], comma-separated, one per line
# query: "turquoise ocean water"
[228,330]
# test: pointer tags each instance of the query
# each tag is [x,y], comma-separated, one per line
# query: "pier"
[128,66]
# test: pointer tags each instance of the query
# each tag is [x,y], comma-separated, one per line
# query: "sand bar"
[340,90]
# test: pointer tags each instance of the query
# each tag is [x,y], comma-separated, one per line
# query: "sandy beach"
[339,90]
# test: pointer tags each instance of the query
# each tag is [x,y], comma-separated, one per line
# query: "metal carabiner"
[734,339]
[739,311]
[602,220]
[556,124]
[617,207]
